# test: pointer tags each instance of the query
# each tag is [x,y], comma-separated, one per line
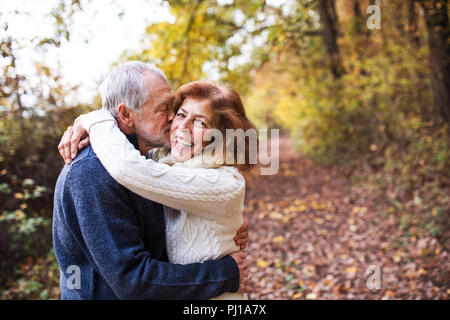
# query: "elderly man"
[110,242]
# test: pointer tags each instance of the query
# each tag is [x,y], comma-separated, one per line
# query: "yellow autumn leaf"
[309,270]
[276,215]
[298,295]
[278,239]
[351,270]
[262,263]
[290,209]
[19,214]
[318,220]
[285,219]
[289,173]
[318,206]
[398,256]
[298,262]
[18,195]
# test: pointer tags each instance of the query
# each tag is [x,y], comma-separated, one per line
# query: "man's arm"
[111,233]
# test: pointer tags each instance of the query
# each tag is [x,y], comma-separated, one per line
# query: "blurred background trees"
[33,115]
[371,101]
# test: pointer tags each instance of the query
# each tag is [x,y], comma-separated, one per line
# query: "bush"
[29,166]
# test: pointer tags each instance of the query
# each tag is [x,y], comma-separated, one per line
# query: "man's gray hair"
[127,84]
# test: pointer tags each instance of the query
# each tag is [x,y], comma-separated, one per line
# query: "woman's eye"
[199,123]
[180,115]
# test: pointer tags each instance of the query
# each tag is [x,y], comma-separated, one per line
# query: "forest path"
[314,235]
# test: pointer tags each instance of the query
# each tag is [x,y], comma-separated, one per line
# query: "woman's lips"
[179,141]
[181,150]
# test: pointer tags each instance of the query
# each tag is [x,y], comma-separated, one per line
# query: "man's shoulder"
[86,159]
[87,165]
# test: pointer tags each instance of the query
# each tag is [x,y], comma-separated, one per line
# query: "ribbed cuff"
[231,266]
[94,117]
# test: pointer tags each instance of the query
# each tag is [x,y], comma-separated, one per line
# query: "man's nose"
[170,116]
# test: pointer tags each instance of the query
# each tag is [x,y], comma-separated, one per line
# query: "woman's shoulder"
[235,172]
[232,169]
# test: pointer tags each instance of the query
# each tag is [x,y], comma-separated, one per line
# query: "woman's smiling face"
[192,119]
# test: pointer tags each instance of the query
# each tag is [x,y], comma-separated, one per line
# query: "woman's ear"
[124,116]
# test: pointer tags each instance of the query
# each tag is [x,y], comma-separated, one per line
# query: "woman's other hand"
[75,139]
[241,259]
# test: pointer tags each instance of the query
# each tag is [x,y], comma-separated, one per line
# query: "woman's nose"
[186,123]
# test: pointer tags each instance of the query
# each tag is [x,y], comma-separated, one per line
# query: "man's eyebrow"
[166,101]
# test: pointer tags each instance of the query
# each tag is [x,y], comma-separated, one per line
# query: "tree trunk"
[413,34]
[328,17]
[358,17]
[437,21]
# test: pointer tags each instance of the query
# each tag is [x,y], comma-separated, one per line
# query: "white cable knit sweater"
[203,202]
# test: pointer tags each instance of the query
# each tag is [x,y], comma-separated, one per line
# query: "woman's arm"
[210,193]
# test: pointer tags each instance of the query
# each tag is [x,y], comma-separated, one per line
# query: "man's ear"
[125,120]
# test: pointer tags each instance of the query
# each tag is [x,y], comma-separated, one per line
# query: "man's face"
[152,124]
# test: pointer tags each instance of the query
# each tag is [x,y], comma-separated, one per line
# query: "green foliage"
[28,171]
[36,279]
[197,44]
[419,176]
